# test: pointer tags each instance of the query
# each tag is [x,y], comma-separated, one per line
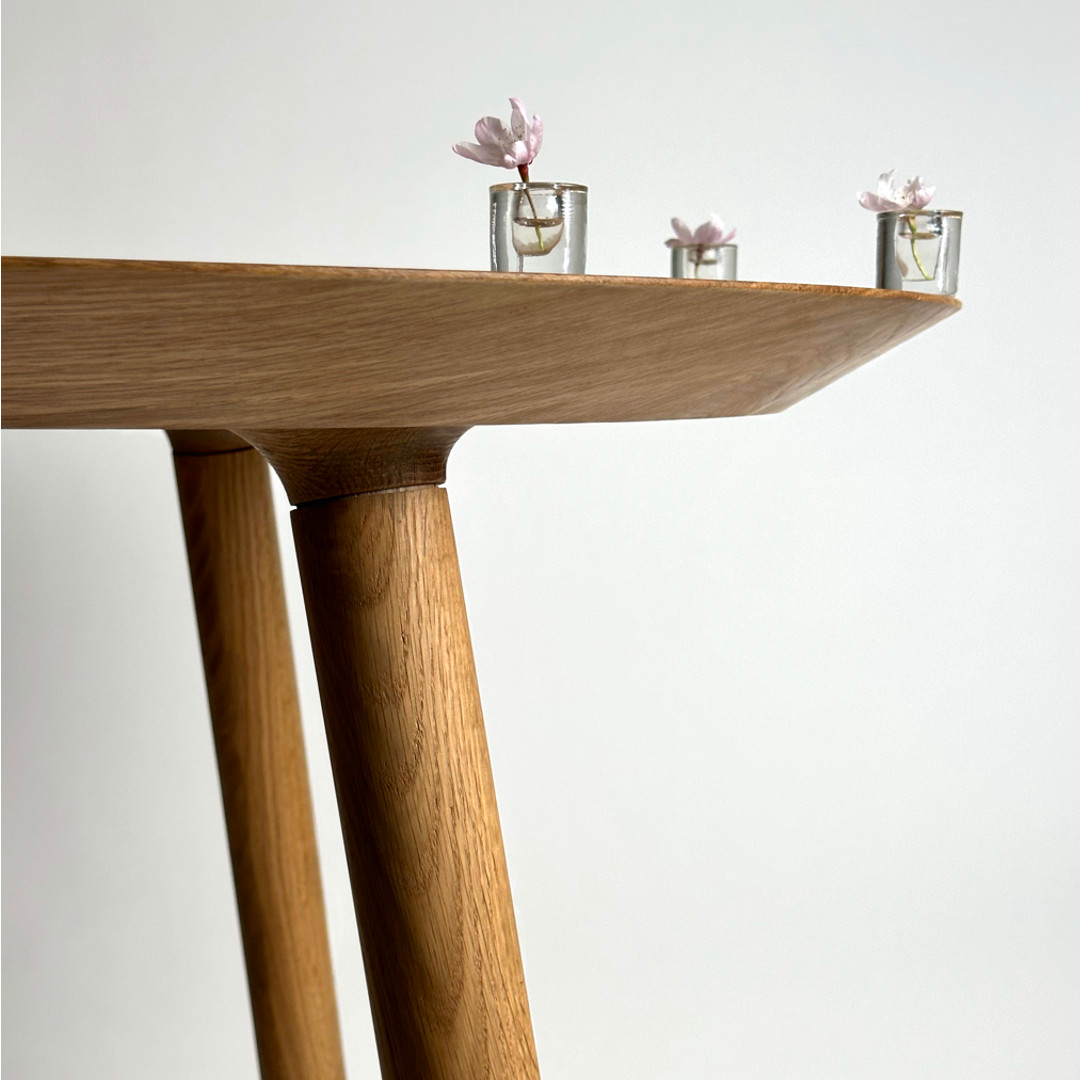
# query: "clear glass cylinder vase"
[919,251]
[539,228]
[718,262]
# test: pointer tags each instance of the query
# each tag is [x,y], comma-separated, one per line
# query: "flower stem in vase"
[913,228]
[523,172]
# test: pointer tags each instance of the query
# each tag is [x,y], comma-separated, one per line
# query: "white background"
[782,710]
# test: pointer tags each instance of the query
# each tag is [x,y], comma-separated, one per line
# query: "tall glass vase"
[919,250]
[539,228]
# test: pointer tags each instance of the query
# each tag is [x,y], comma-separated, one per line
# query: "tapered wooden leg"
[225,499]
[414,785]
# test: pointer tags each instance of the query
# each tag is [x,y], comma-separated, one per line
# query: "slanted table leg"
[406,737]
[225,499]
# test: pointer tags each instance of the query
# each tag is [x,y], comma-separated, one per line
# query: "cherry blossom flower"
[711,234]
[889,198]
[515,147]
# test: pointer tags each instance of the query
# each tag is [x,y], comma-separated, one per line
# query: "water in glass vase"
[537,236]
[538,228]
[919,251]
[715,261]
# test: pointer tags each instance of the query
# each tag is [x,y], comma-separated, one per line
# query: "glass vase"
[717,261]
[539,228]
[919,250]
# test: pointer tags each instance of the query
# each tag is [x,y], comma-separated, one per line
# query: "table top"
[112,344]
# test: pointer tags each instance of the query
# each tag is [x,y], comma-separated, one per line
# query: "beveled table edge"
[30,262]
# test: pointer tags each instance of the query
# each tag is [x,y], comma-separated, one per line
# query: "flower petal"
[536,136]
[886,186]
[518,152]
[486,155]
[491,131]
[519,122]
[875,203]
[916,194]
[709,233]
[682,231]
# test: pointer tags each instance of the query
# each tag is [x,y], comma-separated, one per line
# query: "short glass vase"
[919,250]
[717,262]
[539,228]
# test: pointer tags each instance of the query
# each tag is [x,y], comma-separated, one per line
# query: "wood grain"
[206,442]
[414,786]
[236,579]
[326,463]
[183,345]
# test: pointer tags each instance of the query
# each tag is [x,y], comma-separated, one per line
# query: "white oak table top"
[113,344]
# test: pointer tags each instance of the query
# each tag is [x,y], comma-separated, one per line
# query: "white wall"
[783,711]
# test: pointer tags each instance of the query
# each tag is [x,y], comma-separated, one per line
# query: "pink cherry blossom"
[515,147]
[710,234]
[889,198]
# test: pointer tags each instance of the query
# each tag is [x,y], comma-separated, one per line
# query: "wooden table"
[355,384]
